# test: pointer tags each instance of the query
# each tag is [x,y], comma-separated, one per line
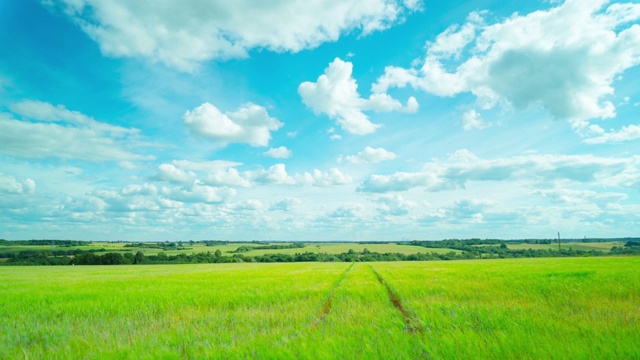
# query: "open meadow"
[561,308]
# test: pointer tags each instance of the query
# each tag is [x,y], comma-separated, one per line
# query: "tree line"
[47,257]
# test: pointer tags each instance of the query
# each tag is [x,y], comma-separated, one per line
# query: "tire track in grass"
[326,306]
[411,322]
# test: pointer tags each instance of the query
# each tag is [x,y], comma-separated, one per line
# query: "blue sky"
[319,120]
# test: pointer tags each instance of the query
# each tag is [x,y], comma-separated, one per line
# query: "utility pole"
[559,247]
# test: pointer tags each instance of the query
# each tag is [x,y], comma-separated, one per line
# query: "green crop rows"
[517,308]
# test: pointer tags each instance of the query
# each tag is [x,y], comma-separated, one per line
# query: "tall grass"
[158,311]
[534,308]
[563,308]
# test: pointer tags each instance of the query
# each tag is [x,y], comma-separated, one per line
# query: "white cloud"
[251,124]
[277,175]
[128,199]
[279,153]
[10,186]
[274,175]
[570,196]
[217,173]
[399,181]
[627,133]
[42,111]
[348,211]
[335,93]
[213,165]
[463,167]
[330,178]
[250,205]
[395,205]
[199,193]
[169,172]
[369,156]
[287,204]
[184,34]
[472,120]
[564,59]
[49,131]
[230,177]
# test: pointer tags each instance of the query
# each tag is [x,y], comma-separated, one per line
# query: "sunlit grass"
[361,324]
[539,308]
[600,246]
[339,248]
[157,311]
[562,308]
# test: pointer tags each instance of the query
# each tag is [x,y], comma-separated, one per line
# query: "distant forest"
[466,249]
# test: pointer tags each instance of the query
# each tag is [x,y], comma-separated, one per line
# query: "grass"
[228,249]
[600,246]
[561,308]
[338,248]
[534,308]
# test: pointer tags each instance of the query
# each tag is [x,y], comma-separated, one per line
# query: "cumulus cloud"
[250,124]
[395,205]
[369,156]
[472,120]
[169,172]
[274,175]
[218,173]
[150,198]
[335,93]
[128,199]
[182,35]
[47,131]
[229,177]
[399,181]
[463,167]
[287,204]
[325,179]
[213,165]
[627,133]
[348,211]
[250,205]
[9,185]
[279,153]
[564,60]
[199,193]
[277,175]
[570,196]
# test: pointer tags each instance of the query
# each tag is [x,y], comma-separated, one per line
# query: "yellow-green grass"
[163,311]
[560,308]
[189,249]
[339,248]
[94,246]
[568,308]
[360,324]
[600,246]
[228,249]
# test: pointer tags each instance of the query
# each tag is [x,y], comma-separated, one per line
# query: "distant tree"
[139,258]
[112,259]
[218,253]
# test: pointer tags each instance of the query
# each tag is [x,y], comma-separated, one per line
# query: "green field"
[229,249]
[600,246]
[516,308]
[338,248]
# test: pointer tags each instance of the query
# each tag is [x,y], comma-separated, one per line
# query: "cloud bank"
[184,34]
